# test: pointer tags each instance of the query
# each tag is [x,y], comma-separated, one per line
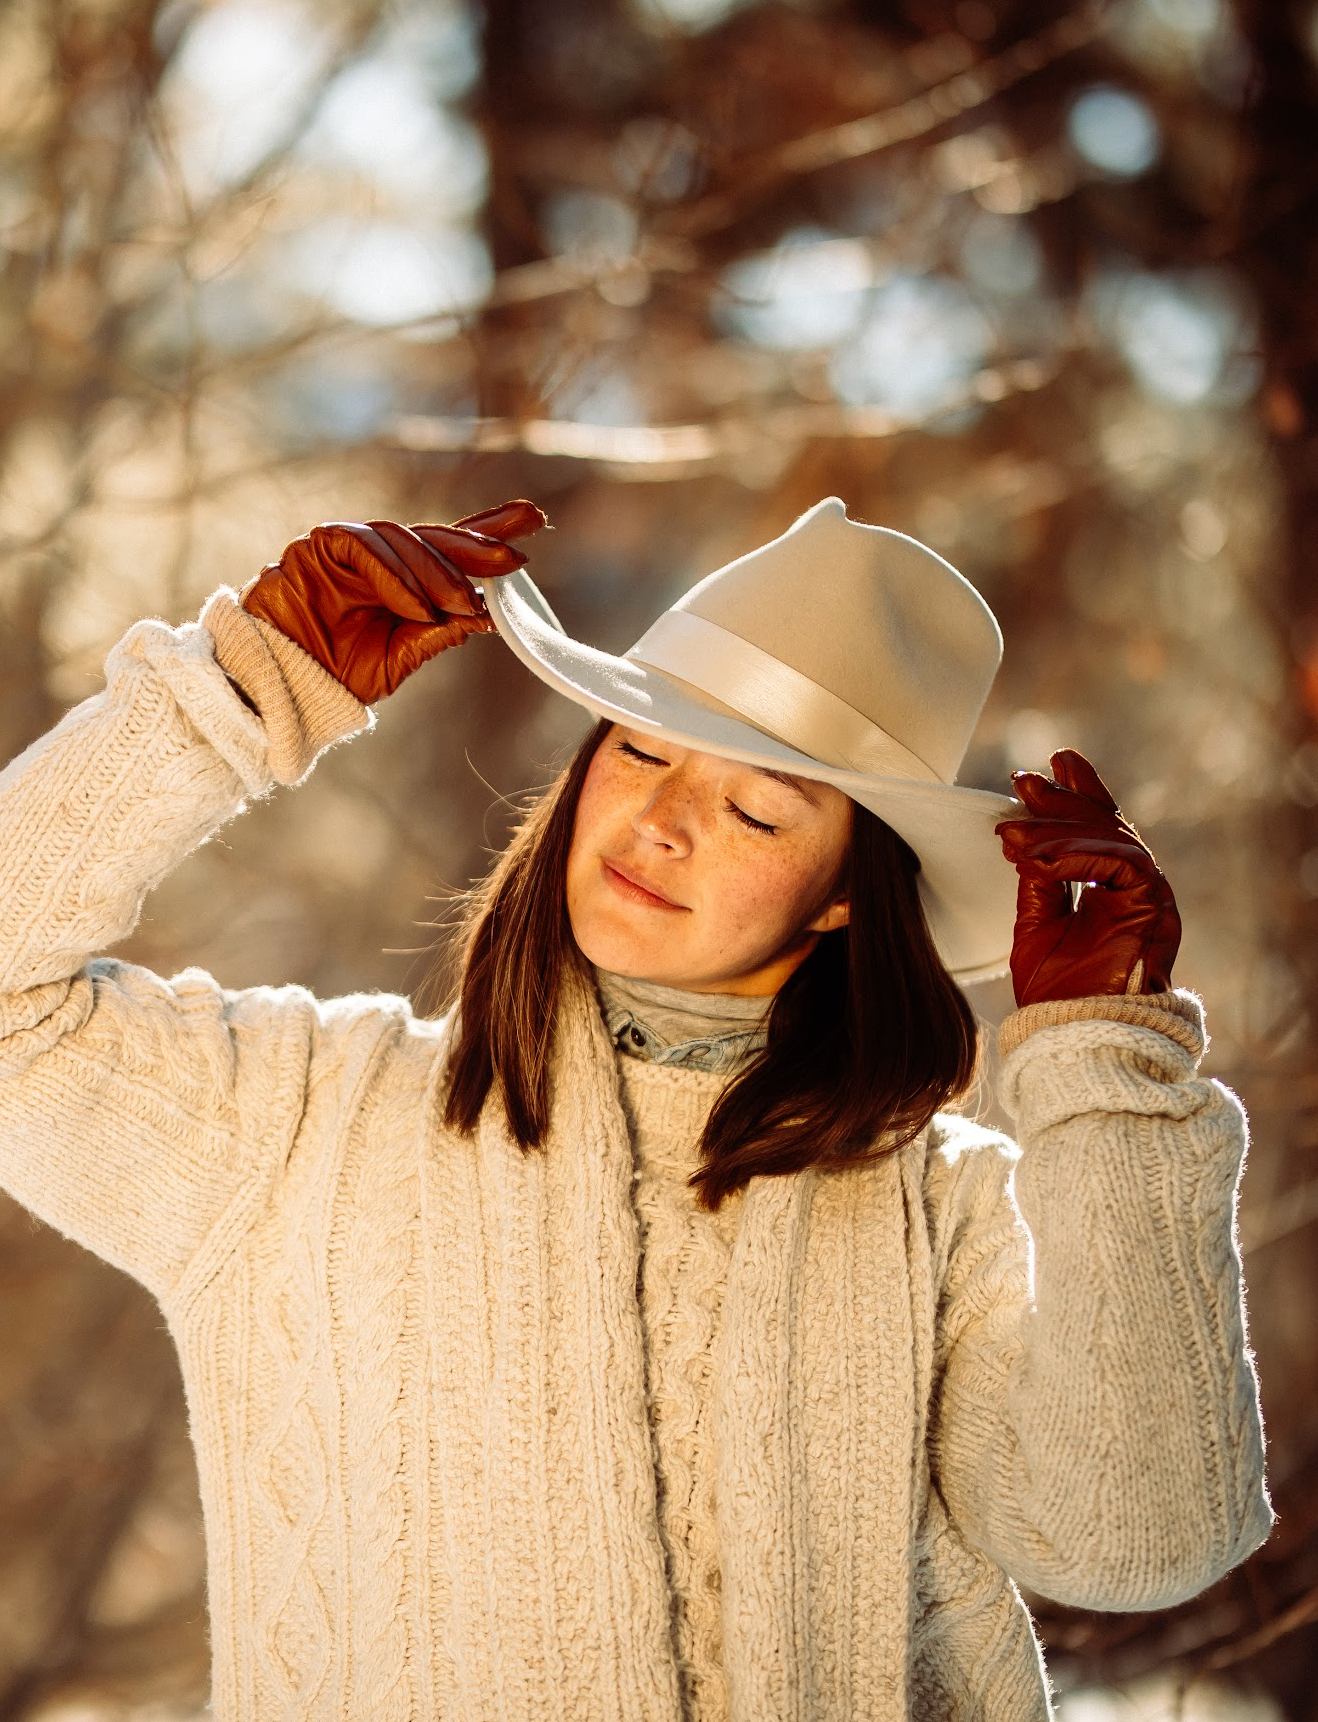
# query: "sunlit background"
[1034,281]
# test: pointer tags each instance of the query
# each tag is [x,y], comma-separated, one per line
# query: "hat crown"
[876,625]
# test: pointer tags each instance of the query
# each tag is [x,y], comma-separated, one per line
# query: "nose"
[666,817]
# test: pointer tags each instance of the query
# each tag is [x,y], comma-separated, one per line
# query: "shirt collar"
[667,1025]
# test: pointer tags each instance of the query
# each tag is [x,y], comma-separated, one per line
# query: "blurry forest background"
[1032,280]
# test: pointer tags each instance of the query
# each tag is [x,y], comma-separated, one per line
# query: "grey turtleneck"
[665,1025]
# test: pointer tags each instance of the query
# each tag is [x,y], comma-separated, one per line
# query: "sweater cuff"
[303,708]
[1131,1053]
[1178,1014]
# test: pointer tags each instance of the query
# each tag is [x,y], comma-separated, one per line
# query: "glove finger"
[1071,841]
[1047,799]
[1164,943]
[1120,869]
[414,643]
[362,548]
[438,577]
[1040,900]
[1092,826]
[517,519]
[475,555]
[1040,824]
[1025,836]
[1074,771]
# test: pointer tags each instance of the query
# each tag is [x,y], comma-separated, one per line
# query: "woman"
[638,1340]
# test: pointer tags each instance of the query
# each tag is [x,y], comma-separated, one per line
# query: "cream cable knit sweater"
[416,1363]
[685,1251]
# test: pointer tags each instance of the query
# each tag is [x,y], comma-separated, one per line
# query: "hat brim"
[967,884]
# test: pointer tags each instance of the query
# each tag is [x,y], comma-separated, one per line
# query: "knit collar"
[667,1025]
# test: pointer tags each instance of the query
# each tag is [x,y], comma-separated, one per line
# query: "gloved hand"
[1123,933]
[373,602]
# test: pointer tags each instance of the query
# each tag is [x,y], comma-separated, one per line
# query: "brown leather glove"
[1124,931]
[372,602]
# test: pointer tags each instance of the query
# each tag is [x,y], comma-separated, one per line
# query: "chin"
[607,941]
[618,952]
[641,961]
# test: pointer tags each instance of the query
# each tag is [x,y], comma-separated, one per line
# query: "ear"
[837,914]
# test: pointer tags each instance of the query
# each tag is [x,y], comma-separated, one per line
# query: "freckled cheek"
[771,898]
[601,818]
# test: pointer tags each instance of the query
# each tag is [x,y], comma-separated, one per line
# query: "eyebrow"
[785,777]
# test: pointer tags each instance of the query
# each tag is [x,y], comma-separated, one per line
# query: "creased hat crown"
[853,643]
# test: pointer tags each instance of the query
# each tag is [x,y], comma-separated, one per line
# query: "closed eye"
[635,752]
[737,812]
[754,824]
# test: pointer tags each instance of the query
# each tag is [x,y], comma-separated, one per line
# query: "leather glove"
[372,602]
[1123,932]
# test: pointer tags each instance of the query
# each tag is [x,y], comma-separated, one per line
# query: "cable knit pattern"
[1122,1101]
[416,1363]
[684,1270]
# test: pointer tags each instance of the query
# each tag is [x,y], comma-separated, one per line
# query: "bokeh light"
[808,292]
[589,225]
[694,16]
[1179,334]
[382,272]
[380,118]
[923,340]
[1114,131]
[1000,254]
[1195,18]
[240,78]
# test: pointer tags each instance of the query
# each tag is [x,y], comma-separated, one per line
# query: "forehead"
[802,785]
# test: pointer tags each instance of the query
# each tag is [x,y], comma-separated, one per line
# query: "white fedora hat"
[841,652]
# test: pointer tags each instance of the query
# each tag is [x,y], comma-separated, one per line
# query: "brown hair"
[866,1039]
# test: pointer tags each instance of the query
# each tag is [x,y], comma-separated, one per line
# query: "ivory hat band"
[774,696]
[840,652]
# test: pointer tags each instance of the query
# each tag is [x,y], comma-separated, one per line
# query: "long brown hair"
[866,1039]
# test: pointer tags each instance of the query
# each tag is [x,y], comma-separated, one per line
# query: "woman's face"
[700,873]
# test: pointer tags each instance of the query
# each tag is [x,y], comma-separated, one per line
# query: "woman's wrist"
[301,706]
[1176,1013]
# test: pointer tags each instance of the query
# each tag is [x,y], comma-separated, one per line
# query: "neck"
[714,1031]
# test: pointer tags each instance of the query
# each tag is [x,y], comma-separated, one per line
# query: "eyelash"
[745,818]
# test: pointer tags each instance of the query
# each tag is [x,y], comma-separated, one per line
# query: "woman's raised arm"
[133,1109]
[1098,1430]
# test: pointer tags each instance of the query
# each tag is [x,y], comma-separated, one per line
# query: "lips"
[633,888]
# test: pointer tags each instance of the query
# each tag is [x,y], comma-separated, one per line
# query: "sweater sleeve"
[1096,1425]
[132,1109]
[301,706]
